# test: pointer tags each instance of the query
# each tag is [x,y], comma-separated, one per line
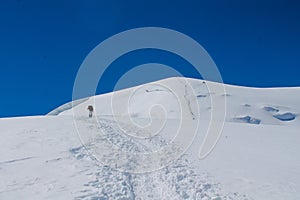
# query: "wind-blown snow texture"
[43,157]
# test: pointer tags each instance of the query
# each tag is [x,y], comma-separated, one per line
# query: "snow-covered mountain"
[256,157]
[276,106]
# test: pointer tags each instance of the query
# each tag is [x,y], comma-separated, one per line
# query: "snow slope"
[256,157]
[243,104]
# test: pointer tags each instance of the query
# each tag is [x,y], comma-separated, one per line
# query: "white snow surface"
[256,157]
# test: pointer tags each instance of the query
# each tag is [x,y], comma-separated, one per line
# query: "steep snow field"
[257,156]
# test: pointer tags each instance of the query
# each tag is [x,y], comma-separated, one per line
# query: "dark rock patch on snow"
[226,95]
[154,90]
[201,95]
[270,109]
[247,119]
[285,116]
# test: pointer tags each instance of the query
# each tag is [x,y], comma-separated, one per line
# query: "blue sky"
[43,43]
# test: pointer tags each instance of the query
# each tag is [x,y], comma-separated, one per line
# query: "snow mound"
[67,106]
[255,105]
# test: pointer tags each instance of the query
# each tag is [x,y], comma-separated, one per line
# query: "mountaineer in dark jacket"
[91,109]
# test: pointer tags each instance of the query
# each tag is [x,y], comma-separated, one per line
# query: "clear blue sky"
[43,43]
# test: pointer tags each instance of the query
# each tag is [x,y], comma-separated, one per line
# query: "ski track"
[176,181]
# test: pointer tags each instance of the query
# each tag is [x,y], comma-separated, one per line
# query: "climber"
[91,109]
